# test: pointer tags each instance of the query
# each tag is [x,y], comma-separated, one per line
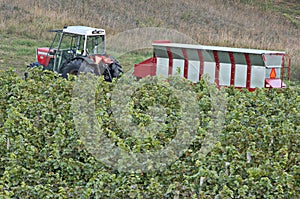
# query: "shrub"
[42,155]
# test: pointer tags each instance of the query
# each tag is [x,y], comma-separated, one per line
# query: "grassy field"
[269,24]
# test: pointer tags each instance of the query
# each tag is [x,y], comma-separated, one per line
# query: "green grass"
[17,51]
[128,59]
[24,42]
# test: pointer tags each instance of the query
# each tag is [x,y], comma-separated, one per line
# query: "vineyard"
[255,136]
[42,155]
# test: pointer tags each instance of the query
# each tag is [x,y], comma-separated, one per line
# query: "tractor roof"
[83,30]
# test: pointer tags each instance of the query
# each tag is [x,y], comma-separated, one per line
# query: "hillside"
[252,24]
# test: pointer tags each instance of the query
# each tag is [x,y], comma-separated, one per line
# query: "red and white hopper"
[240,67]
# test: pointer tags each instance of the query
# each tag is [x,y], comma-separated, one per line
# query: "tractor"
[78,49]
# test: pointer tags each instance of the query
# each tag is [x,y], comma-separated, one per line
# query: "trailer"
[238,67]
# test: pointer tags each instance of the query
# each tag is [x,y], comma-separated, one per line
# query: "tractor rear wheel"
[77,66]
[71,68]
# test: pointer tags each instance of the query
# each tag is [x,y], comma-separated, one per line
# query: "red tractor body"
[43,56]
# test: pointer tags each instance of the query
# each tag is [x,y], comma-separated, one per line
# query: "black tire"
[34,64]
[113,71]
[71,68]
[116,70]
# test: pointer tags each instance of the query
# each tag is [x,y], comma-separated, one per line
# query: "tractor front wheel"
[113,71]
